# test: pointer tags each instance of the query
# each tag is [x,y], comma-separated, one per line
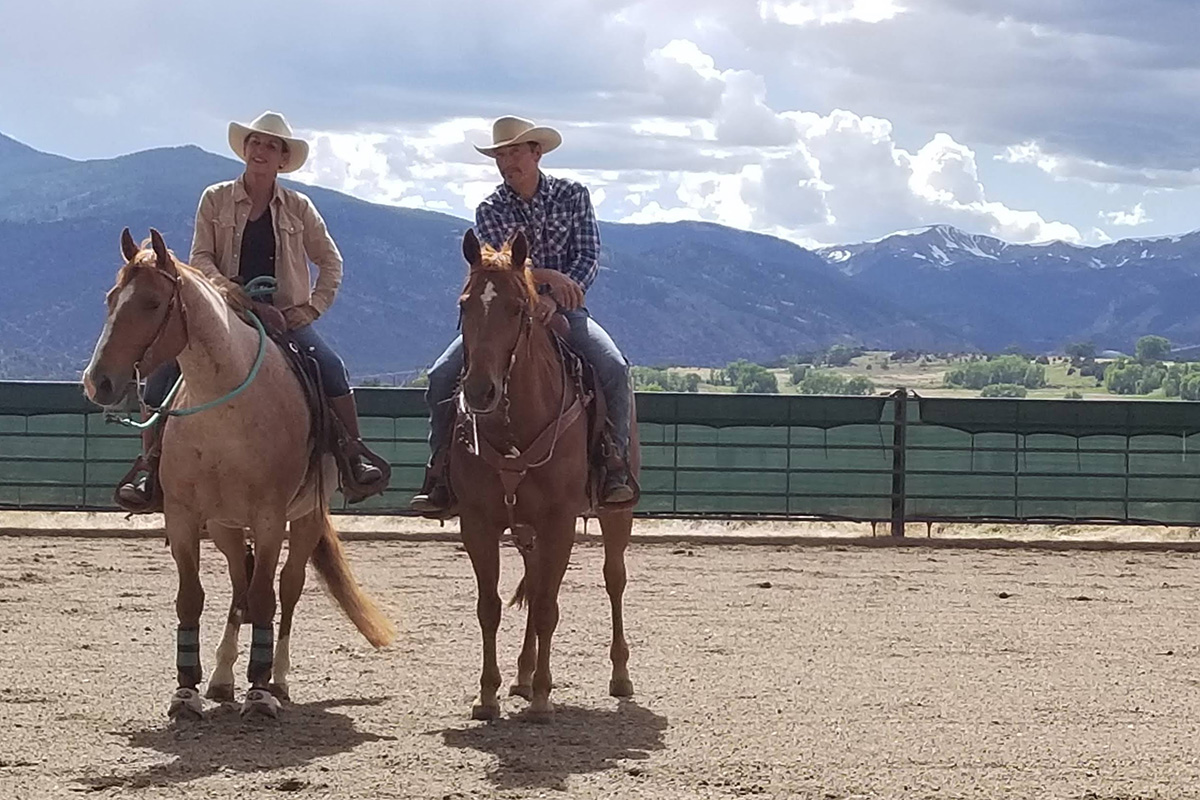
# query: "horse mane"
[145,259]
[492,259]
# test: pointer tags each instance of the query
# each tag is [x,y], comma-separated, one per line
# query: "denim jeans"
[333,371]
[586,337]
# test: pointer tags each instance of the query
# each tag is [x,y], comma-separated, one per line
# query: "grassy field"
[926,376]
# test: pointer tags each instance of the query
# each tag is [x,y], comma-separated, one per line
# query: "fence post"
[899,446]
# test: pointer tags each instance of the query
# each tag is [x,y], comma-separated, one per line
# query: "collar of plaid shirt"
[558,221]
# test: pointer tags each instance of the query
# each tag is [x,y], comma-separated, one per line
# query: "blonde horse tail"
[334,570]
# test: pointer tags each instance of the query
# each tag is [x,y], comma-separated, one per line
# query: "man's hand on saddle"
[544,309]
[565,291]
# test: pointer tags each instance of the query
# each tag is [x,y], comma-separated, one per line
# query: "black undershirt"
[258,250]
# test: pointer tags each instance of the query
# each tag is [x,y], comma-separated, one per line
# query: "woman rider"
[251,227]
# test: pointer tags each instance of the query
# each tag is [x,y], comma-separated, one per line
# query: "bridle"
[512,466]
[174,302]
[260,285]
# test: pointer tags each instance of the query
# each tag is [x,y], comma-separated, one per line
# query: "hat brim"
[297,148]
[548,138]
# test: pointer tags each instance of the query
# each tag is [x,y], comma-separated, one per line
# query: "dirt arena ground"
[828,671]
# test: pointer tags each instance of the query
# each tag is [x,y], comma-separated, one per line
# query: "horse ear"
[128,248]
[162,257]
[520,250]
[470,248]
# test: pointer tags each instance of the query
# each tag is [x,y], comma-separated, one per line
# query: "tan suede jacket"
[300,237]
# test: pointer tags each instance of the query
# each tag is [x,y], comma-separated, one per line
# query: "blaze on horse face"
[137,332]
[495,306]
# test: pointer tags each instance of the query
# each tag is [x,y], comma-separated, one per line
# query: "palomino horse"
[245,464]
[517,399]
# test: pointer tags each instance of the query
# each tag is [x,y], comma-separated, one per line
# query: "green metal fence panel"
[702,455]
[1133,461]
[735,456]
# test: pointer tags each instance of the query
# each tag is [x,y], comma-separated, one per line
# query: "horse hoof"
[186,704]
[260,701]
[486,713]
[521,690]
[540,716]
[220,692]
[620,687]
[280,690]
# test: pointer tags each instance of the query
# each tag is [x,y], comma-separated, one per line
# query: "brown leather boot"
[347,411]
[434,497]
[619,487]
[134,495]
[616,487]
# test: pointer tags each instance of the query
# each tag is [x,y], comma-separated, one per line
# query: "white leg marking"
[283,661]
[227,653]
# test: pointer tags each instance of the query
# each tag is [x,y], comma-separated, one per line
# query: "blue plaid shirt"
[559,223]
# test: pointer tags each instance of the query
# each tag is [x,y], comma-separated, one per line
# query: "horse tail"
[518,598]
[529,582]
[334,570]
[249,562]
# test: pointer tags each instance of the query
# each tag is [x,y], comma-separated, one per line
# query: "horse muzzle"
[104,389]
[481,397]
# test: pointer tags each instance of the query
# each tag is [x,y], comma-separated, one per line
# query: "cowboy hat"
[514,130]
[272,124]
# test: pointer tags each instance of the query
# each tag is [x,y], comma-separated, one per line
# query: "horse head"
[143,327]
[496,309]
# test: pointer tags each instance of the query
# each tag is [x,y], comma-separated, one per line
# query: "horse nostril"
[104,387]
[491,395]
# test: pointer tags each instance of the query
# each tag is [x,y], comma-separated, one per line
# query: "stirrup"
[617,493]
[148,496]
[434,500]
[354,451]
[619,488]
[360,464]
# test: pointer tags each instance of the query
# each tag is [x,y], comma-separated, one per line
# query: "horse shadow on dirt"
[223,742]
[533,755]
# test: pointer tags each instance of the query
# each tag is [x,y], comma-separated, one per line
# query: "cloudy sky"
[823,121]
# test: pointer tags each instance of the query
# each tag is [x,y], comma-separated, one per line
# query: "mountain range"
[679,293]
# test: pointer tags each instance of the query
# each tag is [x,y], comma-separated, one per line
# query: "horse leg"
[183,535]
[232,544]
[268,532]
[523,685]
[305,532]
[483,545]
[553,552]
[616,529]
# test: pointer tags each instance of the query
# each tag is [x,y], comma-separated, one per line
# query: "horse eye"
[151,305]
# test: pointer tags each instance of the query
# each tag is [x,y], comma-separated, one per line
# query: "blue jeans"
[586,337]
[333,372]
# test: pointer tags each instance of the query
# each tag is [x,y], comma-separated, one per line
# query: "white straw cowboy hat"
[272,124]
[514,130]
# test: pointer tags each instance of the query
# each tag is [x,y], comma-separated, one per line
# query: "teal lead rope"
[263,284]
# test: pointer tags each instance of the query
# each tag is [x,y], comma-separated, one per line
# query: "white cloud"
[1069,167]
[684,80]
[723,156]
[944,172]
[744,117]
[828,12]
[1131,218]
[824,120]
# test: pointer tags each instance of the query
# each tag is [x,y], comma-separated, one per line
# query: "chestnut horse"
[245,464]
[517,399]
